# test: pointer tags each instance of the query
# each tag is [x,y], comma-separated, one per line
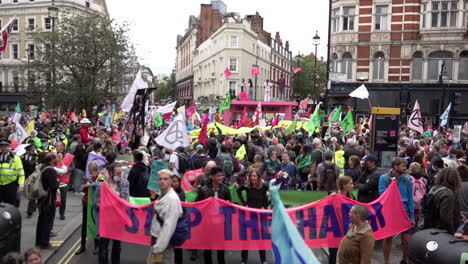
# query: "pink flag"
[243,120]
[227,72]
[465,127]
[303,104]
[244,96]
[190,111]
[258,114]
[369,123]
[414,121]
[298,69]
[255,71]
[275,121]
[204,132]
[309,111]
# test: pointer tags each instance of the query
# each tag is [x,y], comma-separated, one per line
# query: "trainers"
[53,234]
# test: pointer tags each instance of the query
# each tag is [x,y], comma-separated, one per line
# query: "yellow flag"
[83,113]
[241,152]
[30,127]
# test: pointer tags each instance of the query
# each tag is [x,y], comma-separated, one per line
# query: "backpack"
[227,164]
[329,176]
[182,230]
[427,211]
[33,189]
[419,190]
[183,163]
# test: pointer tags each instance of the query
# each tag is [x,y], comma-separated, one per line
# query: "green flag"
[158,120]
[226,104]
[348,123]
[314,121]
[291,128]
[18,108]
[336,116]
[427,134]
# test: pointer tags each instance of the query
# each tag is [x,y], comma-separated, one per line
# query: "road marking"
[71,251]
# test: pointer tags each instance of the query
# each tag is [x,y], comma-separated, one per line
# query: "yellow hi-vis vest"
[340,161]
[11,169]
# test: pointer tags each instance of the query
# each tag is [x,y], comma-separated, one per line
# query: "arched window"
[334,62]
[440,63]
[416,66]
[378,66]
[347,65]
[463,66]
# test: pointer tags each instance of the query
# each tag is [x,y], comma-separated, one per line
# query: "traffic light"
[456,99]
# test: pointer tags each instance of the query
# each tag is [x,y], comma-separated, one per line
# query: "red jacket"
[84,134]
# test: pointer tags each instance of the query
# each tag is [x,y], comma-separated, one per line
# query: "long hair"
[342,181]
[259,181]
[356,161]
[449,178]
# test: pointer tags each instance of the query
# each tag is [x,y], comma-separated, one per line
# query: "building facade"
[32,17]
[401,50]
[281,65]
[234,46]
[184,61]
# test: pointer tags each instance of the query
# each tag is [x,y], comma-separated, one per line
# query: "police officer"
[11,174]
[46,145]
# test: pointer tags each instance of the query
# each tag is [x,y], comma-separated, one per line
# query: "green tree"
[166,88]
[82,63]
[304,80]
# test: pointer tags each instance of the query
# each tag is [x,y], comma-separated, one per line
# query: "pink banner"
[233,227]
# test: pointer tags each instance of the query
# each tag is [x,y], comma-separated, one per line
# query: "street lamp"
[315,42]
[53,14]
[296,77]
[256,65]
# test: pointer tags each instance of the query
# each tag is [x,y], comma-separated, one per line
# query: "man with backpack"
[168,210]
[327,173]
[226,162]
[178,162]
[405,186]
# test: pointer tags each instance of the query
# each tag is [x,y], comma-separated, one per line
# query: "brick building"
[184,61]
[281,59]
[402,50]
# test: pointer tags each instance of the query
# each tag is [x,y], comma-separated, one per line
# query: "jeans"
[282,95]
[63,198]
[207,257]
[245,255]
[251,94]
[104,251]
[332,257]
[77,179]
[46,207]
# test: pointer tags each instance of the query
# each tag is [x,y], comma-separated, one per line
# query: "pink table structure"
[277,107]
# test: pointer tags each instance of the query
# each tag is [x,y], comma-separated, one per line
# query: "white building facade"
[234,46]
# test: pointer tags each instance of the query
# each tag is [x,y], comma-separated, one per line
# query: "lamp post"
[296,77]
[256,65]
[315,42]
[53,14]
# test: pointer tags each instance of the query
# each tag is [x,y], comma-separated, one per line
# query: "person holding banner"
[216,189]
[256,198]
[167,209]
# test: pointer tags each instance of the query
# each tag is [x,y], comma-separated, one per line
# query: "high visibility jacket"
[11,170]
[340,161]
[50,148]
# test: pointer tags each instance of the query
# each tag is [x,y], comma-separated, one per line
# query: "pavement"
[63,228]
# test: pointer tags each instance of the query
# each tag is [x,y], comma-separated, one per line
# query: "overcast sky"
[154,25]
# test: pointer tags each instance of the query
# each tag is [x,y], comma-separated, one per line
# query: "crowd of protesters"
[338,164]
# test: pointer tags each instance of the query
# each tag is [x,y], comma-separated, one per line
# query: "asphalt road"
[136,254]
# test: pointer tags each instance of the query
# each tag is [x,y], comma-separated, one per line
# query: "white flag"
[360,92]
[167,108]
[445,116]
[414,121]
[20,133]
[175,135]
[137,84]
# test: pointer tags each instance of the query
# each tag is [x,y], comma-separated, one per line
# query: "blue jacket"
[405,185]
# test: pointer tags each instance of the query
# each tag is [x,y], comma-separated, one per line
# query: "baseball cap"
[371,158]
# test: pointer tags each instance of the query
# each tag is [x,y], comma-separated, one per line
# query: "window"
[15,25]
[348,18]
[347,65]
[416,66]
[0,20]
[444,14]
[14,51]
[15,81]
[423,15]
[335,20]
[334,63]
[15,1]
[232,87]
[379,66]
[31,51]
[381,17]
[87,4]
[234,41]
[439,63]
[31,24]
[233,64]
[47,23]
[463,66]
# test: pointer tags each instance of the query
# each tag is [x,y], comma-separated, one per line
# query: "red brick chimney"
[278,39]
[286,46]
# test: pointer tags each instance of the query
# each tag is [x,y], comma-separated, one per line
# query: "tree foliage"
[83,62]
[304,80]
[166,88]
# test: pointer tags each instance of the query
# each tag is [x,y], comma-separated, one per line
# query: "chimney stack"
[278,39]
[286,46]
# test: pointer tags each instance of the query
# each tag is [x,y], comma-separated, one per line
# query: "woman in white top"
[267,87]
